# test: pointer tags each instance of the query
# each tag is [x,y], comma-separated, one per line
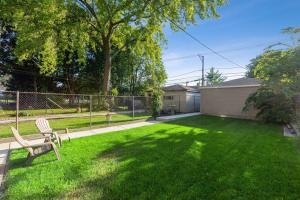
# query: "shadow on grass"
[208,164]
[21,163]
[202,158]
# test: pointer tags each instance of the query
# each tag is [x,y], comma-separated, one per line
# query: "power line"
[196,80]
[222,51]
[182,78]
[221,73]
[222,68]
[204,45]
[189,77]
[189,81]
[185,73]
[181,57]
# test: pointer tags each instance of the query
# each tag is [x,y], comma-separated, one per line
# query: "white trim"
[235,86]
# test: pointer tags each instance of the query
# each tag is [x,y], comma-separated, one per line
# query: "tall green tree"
[14,75]
[214,77]
[280,71]
[275,50]
[49,28]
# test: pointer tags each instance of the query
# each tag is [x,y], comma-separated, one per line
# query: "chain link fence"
[75,112]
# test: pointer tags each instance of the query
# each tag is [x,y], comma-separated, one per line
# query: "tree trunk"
[107,66]
[34,83]
[35,90]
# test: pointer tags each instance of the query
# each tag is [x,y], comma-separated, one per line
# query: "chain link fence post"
[91,107]
[17,109]
[179,109]
[194,104]
[46,104]
[132,107]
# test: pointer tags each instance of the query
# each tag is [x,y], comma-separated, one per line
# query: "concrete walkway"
[73,135]
[6,147]
[172,117]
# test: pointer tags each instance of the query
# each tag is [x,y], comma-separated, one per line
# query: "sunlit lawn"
[28,127]
[5,114]
[198,157]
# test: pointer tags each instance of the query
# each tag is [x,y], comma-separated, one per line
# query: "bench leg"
[29,159]
[56,152]
[58,139]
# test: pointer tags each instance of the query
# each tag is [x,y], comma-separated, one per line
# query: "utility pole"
[202,61]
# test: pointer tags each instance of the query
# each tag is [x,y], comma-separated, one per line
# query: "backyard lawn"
[28,127]
[198,157]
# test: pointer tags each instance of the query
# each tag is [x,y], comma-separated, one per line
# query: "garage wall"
[178,100]
[227,101]
[192,102]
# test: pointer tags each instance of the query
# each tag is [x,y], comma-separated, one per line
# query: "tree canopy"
[48,30]
[279,68]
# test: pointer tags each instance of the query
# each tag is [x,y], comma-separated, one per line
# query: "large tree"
[280,71]
[14,75]
[273,52]
[50,28]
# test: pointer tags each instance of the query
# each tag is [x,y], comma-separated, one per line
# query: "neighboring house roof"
[241,82]
[181,88]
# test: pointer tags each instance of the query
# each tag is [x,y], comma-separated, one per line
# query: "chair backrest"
[19,139]
[43,125]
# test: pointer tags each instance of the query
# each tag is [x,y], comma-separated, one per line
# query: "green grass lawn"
[5,114]
[8,114]
[199,157]
[28,127]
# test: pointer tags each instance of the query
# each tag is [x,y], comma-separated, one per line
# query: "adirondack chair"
[35,150]
[45,129]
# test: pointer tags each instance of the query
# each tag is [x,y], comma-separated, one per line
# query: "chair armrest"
[67,133]
[46,137]
[38,145]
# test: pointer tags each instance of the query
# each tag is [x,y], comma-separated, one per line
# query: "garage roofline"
[233,86]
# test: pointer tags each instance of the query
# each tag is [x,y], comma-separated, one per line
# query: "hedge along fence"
[297,108]
[227,101]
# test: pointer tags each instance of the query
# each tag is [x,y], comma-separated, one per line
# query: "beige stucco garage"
[228,99]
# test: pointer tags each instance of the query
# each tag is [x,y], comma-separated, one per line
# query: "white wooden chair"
[45,129]
[35,150]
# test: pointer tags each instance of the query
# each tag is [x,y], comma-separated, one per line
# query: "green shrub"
[272,107]
[156,103]
[24,114]
[114,92]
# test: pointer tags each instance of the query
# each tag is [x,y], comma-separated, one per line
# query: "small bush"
[114,92]
[24,114]
[278,108]
[156,103]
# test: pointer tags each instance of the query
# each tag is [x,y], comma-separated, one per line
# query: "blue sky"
[244,29]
